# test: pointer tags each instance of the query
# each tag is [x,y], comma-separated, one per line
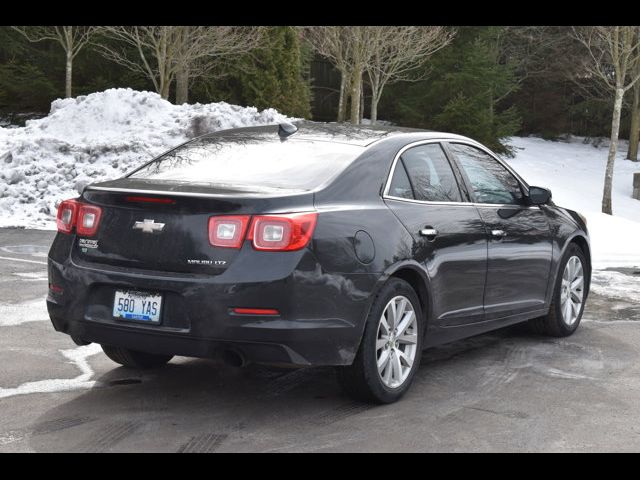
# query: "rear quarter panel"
[357,238]
[353,203]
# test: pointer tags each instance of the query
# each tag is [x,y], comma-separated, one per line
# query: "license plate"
[138,306]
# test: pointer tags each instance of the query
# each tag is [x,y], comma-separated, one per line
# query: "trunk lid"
[163,226]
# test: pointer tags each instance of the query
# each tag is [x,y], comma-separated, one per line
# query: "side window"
[430,174]
[400,185]
[491,182]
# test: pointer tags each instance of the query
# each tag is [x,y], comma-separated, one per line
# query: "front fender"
[566,227]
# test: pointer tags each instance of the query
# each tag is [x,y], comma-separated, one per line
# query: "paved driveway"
[507,390]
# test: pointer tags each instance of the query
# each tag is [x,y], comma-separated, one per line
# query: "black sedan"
[320,244]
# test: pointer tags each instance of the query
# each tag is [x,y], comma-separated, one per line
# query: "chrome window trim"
[471,143]
[464,204]
[427,202]
[385,192]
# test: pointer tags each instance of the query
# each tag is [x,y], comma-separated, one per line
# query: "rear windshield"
[256,165]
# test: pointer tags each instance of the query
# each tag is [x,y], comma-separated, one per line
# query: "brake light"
[282,232]
[228,230]
[165,201]
[67,214]
[88,220]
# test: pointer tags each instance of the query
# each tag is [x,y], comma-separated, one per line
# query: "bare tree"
[634,133]
[350,49]
[397,51]
[386,54]
[71,38]
[362,46]
[200,46]
[167,53]
[332,43]
[613,54]
[155,52]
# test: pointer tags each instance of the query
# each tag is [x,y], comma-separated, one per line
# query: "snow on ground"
[574,171]
[616,285]
[98,137]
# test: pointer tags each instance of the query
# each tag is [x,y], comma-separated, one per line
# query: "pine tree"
[26,72]
[274,76]
[465,91]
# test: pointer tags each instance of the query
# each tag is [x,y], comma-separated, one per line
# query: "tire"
[134,359]
[362,380]
[554,324]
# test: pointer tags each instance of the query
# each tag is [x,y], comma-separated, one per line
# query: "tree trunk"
[68,74]
[164,79]
[613,148]
[342,101]
[164,89]
[347,92]
[376,94]
[374,111]
[634,135]
[356,86]
[361,114]
[182,86]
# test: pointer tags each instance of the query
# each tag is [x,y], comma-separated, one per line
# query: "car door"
[520,244]
[449,237]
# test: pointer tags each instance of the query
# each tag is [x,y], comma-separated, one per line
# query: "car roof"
[346,133]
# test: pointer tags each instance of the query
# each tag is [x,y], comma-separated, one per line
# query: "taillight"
[279,233]
[282,232]
[88,220]
[67,214]
[228,230]
[85,218]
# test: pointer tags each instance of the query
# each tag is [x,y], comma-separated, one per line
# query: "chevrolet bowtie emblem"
[148,226]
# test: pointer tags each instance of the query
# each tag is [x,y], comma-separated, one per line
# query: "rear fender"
[396,270]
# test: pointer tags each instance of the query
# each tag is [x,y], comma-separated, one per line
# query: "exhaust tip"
[234,358]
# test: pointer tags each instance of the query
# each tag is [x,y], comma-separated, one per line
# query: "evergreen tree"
[27,77]
[274,76]
[465,91]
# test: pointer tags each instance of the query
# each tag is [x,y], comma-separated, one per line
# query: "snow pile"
[574,171]
[98,137]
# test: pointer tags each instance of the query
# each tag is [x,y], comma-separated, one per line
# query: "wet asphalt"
[504,391]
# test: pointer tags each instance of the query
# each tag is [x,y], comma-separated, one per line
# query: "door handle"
[498,233]
[429,232]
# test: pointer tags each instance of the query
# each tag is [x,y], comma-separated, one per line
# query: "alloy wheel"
[397,341]
[572,290]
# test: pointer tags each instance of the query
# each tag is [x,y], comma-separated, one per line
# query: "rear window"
[256,165]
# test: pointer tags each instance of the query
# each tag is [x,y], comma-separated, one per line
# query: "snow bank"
[574,171]
[98,137]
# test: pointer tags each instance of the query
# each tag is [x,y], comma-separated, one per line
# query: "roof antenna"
[285,130]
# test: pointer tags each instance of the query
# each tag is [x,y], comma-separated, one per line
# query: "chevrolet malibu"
[315,244]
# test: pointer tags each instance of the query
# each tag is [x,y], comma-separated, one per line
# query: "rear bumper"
[320,323]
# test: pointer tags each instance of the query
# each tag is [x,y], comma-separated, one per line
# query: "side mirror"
[539,195]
